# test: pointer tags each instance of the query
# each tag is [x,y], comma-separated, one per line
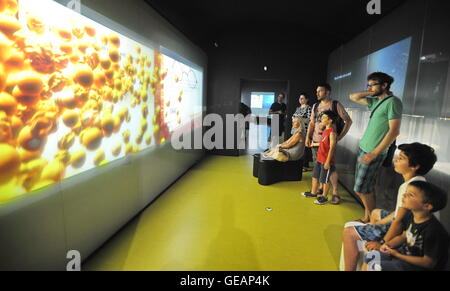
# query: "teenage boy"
[424,243]
[381,132]
[413,161]
[324,166]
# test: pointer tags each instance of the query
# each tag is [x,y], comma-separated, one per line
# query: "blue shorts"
[374,232]
[366,175]
[321,174]
[378,261]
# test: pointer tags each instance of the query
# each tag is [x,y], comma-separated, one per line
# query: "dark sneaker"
[309,195]
[320,192]
[321,200]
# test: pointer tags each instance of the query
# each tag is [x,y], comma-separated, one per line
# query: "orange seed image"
[64,34]
[126,136]
[25,99]
[67,141]
[15,61]
[8,103]
[93,60]
[78,158]
[63,156]
[148,139]
[9,161]
[35,24]
[78,31]
[54,171]
[3,76]
[99,157]
[90,30]
[107,124]
[117,124]
[114,55]
[9,24]
[105,62]
[84,76]
[29,141]
[30,83]
[116,150]
[70,117]
[114,40]
[99,79]
[66,47]
[91,138]
[128,149]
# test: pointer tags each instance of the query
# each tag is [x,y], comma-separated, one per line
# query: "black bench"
[269,172]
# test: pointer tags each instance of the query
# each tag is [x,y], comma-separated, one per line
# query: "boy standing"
[424,240]
[324,166]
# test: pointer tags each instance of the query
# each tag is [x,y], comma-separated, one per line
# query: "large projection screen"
[76,95]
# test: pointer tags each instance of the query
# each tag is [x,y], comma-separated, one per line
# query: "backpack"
[339,121]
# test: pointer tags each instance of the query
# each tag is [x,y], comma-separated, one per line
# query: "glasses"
[376,84]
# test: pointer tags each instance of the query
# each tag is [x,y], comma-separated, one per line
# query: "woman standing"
[304,112]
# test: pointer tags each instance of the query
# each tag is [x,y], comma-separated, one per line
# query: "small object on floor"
[309,195]
[269,209]
[335,200]
[321,200]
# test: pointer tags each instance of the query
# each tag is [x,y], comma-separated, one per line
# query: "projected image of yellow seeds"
[75,95]
[99,157]
[117,150]
[78,159]
[91,138]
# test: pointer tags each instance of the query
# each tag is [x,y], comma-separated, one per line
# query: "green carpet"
[215,218]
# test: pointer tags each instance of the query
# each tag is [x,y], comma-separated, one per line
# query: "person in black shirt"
[279,108]
[424,243]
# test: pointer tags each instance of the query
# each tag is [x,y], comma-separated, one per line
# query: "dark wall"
[243,54]
[426,95]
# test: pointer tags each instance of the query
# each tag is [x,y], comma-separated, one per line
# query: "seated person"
[423,244]
[413,161]
[292,149]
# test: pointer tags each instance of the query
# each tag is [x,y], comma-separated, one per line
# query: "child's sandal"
[335,200]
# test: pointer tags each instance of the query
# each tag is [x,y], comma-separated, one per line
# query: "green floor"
[215,218]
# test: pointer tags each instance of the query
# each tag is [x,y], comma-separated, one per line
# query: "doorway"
[256,98]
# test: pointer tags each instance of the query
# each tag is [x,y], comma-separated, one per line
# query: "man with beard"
[315,130]
[381,132]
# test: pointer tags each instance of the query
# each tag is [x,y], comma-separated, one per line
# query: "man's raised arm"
[360,97]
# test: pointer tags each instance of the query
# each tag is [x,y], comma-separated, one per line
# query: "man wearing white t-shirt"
[414,160]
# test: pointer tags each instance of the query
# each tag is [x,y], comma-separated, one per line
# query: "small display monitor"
[262,100]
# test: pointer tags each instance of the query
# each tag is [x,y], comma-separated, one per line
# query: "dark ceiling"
[332,22]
